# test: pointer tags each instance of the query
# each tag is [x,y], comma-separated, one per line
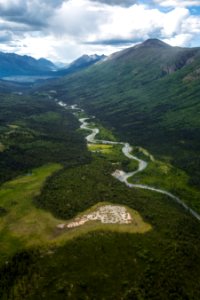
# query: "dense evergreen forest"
[159,264]
[34,131]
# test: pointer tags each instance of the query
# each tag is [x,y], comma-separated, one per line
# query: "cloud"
[92,24]
[6,36]
[78,18]
[65,29]
[177,3]
[179,40]
[117,2]
[31,12]
[115,42]
[137,23]
[173,21]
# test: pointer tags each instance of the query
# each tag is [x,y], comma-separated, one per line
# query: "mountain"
[86,60]
[13,64]
[47,64]
[81,63]
[149,95]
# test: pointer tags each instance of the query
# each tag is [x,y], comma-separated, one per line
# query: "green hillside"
[148,95]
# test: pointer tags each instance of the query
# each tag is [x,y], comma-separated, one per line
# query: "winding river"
[127,149]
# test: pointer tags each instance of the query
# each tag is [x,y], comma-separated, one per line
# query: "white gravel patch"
[107,214]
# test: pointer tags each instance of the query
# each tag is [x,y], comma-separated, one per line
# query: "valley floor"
[79,233]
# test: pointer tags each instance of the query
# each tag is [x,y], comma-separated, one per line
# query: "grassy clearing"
[143,153]
[2,147]
[13,126]
[105,133]
[165,176]
[137,224]
[113,154]
[23,223]
[106,149]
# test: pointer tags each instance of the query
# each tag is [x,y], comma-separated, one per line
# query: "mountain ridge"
[80,63]
[14,64]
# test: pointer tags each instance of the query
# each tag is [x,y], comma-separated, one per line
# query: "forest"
[38,261]
[35,131]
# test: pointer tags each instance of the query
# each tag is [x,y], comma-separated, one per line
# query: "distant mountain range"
[16,65]
[12,64]
[149,94]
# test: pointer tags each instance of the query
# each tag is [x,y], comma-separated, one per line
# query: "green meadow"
[163,175]
[23,224]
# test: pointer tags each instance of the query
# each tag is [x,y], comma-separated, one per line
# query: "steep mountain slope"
[13,64]
[149,94]
[81,63]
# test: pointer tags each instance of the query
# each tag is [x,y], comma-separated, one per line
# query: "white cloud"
[191,25]
[38,46]
[176,3]
[130,23]
[173,21]
[77,18]
[63,30]
[139,22]
[179,40]
[90,22]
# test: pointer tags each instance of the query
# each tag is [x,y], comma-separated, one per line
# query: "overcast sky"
[62,30]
